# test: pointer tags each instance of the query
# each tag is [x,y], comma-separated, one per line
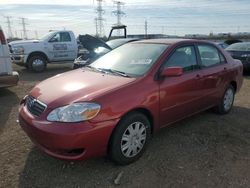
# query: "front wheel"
[37,63]
[227,101]
[130,138]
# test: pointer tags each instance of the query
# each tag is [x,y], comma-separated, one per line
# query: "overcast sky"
[164,17]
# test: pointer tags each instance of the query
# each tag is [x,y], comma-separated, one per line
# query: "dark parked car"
[95,48]
[241,51]
[222,45]
[115,104]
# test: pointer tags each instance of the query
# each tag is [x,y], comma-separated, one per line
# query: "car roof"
[164,41]
[242,43]
[123,39]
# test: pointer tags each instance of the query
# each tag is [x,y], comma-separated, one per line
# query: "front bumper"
[19,59]
[9,79]
[74,141]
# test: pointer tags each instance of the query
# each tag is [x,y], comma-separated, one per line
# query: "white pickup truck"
[54,47]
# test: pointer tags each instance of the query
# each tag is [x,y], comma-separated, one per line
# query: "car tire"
[37,63]
[227,101]
[130,138]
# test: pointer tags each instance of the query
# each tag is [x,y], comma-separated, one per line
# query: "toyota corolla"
[114,105]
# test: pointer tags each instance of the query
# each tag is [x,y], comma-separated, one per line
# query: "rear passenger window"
[209,55]
[184,57]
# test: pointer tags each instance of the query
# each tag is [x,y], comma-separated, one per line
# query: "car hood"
[23,42]
[90,43]
[75,86]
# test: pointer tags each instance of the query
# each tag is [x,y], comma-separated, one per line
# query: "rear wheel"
[130,138]
[227,101]
[37,63]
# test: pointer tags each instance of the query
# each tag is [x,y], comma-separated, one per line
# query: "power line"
[99,19]
[10,34]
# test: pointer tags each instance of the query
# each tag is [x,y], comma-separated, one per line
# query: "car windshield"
[239,47]
[131,59]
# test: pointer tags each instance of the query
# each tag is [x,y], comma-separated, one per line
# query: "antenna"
[146,28]
[99,19]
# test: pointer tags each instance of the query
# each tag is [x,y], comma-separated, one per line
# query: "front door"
[61,47]
[181,96]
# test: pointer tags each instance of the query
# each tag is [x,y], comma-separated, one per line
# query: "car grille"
[34,106]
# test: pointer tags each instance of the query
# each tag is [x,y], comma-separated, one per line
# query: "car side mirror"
[172,71]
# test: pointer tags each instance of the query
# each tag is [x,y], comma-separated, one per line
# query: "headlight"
[18,50]
[75,112]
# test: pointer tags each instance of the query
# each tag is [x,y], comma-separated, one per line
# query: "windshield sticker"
[141,61]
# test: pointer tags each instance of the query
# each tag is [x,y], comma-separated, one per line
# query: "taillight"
[2,37]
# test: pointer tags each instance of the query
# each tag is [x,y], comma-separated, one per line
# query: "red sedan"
[114,105]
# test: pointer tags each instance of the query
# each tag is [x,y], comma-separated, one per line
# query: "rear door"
[180,96]
[214,70]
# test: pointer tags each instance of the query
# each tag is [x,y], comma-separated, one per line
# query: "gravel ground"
[206,150]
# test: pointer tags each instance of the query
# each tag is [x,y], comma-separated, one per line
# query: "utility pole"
[16,35]
[10,35]
[36,34]
[146,28]
[118,13]
[23,23]
[99,19]
[96,27]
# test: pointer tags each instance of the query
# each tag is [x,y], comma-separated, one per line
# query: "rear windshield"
[132,59]
[239,47]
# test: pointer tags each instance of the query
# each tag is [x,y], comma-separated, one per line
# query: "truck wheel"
[37,63]
[227,101]
[129,139]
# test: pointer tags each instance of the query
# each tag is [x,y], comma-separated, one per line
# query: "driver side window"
[184,57]
[55,38]
[61,37]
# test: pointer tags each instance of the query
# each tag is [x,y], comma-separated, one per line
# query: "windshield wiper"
[95,69]
[115,72]
[103,70]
